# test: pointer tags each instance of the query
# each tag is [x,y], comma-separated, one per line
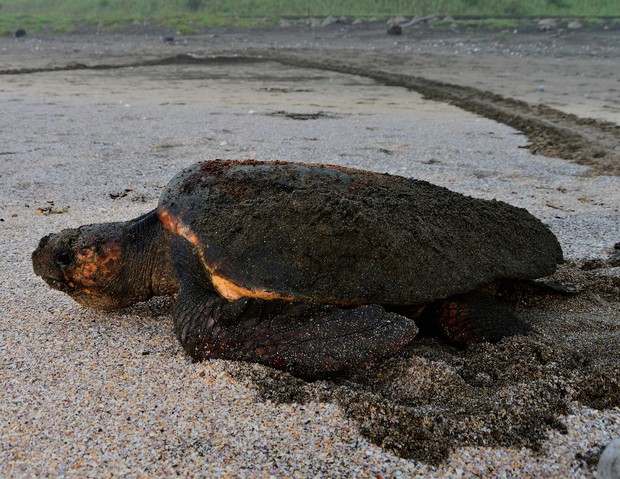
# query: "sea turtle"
[315,269]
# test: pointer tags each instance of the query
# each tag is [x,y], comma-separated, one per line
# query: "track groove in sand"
[552,132]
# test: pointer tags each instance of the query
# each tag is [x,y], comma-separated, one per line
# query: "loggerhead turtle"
[314,269]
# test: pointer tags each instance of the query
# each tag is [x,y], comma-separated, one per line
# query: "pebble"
[394,30]
[609,463]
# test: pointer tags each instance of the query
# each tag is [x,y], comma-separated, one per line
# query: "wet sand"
[93,393]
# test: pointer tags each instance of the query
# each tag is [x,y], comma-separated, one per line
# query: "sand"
[88,393]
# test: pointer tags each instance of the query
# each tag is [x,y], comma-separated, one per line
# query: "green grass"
[80,9]
[191,15]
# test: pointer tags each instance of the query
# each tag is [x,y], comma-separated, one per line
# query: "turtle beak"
[50,260]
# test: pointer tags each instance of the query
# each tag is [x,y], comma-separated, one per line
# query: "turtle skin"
[314,269]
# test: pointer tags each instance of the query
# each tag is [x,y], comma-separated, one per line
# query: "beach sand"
[103,394]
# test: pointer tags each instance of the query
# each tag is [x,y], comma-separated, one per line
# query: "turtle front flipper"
[305,339]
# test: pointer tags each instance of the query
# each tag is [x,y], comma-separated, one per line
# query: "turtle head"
[99,265]
[85,263]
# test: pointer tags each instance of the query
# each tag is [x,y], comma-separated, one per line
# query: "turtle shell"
[330,234]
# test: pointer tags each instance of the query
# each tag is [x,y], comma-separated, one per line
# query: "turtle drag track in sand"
[552,132]
[92,386]
[587,141]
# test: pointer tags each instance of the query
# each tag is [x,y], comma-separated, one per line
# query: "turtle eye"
[63,258]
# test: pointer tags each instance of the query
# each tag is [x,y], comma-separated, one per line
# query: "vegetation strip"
[587,141]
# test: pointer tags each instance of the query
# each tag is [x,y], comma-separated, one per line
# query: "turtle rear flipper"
[308,340]
[471,319]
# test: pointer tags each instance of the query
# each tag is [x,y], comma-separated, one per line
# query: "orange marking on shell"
[167,220]
[176,226]
[224,286]
[232,291]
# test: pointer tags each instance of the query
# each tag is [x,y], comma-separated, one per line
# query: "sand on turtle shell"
[345,236]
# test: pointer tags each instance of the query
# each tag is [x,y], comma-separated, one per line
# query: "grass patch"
[30,23]
[193,23]
[62,26]
[81,9]
[193,15]
[186,30]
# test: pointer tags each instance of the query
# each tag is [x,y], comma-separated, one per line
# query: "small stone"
[547,24]
[394,30]
[574,25]
[609,463]
[285,23]
[120,194]
[328,21]
[51,210]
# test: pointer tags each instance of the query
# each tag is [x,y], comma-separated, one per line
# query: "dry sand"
[86,393]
